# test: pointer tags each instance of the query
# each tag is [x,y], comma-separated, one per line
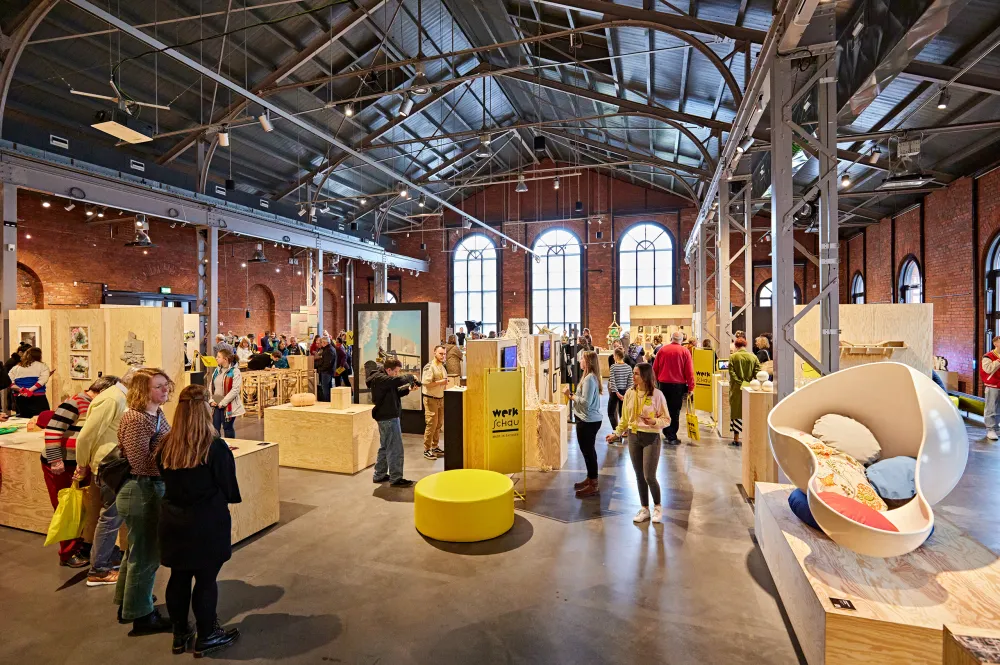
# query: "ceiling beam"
[943,75]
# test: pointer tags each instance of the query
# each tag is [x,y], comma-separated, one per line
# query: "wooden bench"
[898,607]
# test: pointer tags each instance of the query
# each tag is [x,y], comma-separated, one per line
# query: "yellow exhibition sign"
[504,421]
[704,365]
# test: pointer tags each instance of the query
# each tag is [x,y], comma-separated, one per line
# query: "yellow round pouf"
[464,505]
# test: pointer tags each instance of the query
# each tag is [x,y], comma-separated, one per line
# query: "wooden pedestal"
[722,423]
[324,439]
[546,436]
[454,428]
[24,500]
[901,604]
[971,646]
[300,362]
[340,398]
[759,464]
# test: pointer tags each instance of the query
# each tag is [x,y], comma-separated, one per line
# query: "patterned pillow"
[840,473]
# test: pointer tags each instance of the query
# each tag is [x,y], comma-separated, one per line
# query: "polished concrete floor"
[345,578]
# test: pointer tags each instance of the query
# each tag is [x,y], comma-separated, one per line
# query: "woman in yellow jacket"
[644,416]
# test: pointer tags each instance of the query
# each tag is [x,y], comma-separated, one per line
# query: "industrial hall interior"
[520,332]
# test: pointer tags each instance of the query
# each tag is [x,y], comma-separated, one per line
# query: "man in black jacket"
[325,361]
[388,384]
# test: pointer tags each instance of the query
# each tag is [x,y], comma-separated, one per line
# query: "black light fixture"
[230,184]
[354,226]
[141,233]
[420,84]
[944,99]
[578,207]
[484,147]
[258,255]
[599,234]
[422,201]
[423,245]
[539,144]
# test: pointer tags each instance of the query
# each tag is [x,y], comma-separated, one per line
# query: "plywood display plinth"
[546,436]
[24,500]
[901,604]
[722,418]
[759,464]
[323,439]
[971,646]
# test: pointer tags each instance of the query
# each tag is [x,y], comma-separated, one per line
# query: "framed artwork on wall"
[79,338]
[30,335]
[79,366]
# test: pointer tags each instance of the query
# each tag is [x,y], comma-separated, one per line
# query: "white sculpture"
[767,386]
[753,384]
[763,376]
[908,415]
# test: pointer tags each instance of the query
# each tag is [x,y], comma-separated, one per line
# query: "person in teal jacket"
[280,361]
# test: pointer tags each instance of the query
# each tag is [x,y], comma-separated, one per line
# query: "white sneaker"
[991,435]
[641,516]
[657,514]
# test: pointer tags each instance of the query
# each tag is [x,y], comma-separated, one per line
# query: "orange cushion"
[857,511]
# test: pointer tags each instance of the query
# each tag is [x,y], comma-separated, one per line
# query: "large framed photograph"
[30,335]
[79,338]
[79,366]
[392,334]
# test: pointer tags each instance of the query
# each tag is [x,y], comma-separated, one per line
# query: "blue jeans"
[323,387]
[224,426]
[139,504]
[106,532]
[390,450]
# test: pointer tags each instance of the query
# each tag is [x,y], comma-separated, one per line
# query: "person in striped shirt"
[619,381]
[59,458]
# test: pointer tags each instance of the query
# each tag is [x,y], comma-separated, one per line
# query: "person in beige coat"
[434,379]
[453,361]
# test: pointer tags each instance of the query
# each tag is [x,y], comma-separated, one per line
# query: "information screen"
[546,349]
[508,357]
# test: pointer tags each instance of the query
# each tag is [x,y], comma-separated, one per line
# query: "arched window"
[390,297]
[858,289]
[645,269]
[911,284]
[475,283]
[555,281]
[992,293]
[765,294]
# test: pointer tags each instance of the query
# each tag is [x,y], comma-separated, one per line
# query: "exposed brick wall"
[854,258]
[907,241]
[878,280]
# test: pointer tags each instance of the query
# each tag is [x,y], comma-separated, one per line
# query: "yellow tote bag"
[692,420]
[67,522]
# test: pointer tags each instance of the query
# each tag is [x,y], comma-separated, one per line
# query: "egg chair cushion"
[857,511]
[799,503]
[848,436]
[894,478]
[840,473]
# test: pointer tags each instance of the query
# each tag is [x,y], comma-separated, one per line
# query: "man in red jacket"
[673,368]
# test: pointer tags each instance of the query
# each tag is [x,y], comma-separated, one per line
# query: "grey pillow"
[848,436]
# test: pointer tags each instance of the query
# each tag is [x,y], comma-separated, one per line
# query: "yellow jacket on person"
[99,435]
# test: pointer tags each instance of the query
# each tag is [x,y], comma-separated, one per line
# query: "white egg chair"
[908,415]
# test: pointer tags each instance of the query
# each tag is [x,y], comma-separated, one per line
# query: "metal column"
[829,223]
[700,269]
[8,260]
[208,286]
[731,221]
[723,310]
[316,280]
[381,281]
[349,295]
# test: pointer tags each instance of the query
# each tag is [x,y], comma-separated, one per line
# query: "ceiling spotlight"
[258,255]
[406,106]
[224,136]
[578,208]
[522,186]
[403,191]
[312,211]
[555,183]
[325,209]
[69,206]
[243,265]
[363,200]
[744,145]
[539,144]
[422,201]
[141,233]
[875,155]
[302,211]
[944,99]
[484,147]
[349,110]
[100,214]
[89,213]
[420,84]
[845,180]
[46,204]
[27,236]
[277,270]
[265,122]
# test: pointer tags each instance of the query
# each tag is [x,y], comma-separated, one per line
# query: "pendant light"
[522,186]
[258,255]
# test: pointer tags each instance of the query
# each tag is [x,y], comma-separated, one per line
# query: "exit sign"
[166,289]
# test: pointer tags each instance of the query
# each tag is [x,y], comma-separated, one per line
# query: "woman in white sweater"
[29,378]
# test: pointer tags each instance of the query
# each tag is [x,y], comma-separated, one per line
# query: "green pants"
[138,503]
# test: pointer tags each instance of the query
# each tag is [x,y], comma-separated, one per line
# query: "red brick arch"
[261,307]
[30,294]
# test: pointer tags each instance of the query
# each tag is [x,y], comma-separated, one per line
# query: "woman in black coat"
[199,475]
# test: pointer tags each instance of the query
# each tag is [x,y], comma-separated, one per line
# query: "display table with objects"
[546,436]
[24,499]
[895,609]
[323,439]
[464,505]
[757,461]
[271,387]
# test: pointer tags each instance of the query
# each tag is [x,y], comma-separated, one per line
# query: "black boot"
[150,624]
[214,641]
[183,638]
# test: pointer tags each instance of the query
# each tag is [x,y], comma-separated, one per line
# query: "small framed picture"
[79,367]
[79,338]
[30,335]
[639,330]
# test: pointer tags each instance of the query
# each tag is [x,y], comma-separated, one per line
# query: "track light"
[302,211]
[420,84]
[224,136]
[875,155]
[539,144]
[69,206]
[403,191]
[363,200]
[265,122]
[100,214]
[422,201]
[845,180]
[522,186]
[46,204]
[555,183]
[406,106]
[349,110]
[744,145]
[944,99]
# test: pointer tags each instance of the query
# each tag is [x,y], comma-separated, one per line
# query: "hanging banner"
[704,365]
[504,421]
